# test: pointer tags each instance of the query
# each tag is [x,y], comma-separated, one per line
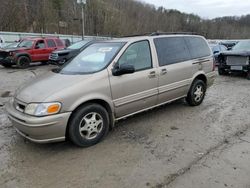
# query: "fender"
[200,73]
[98,99]
[19,54]
[92,97]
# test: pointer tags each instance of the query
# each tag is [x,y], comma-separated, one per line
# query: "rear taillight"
[213,64]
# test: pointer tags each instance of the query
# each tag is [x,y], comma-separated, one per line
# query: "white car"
[2,42]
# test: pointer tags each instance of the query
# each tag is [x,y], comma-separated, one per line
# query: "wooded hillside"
[112,18]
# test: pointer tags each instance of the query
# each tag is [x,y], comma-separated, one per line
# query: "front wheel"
[196,93]
[23,62]
[88,125]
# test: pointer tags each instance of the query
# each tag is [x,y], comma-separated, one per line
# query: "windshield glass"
[78,45]
[26,43]
[92,59]
[242,45]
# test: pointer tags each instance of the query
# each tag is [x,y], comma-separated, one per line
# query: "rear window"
[198,47]
[59,42]
[171,50]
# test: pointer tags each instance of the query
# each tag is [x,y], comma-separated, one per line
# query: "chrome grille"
[237,60]
[53,56]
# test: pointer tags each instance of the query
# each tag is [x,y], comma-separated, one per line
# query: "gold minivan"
[111,80]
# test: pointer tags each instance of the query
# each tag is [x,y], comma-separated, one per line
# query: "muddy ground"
[171,146]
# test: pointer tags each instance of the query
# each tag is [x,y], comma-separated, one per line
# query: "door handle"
[152,74]
[164,71]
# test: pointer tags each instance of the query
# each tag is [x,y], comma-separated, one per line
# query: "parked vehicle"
[229,44]
[12,45]
[217,49]
[30,50]
[59,57]
[236,59]
[2,42]
[109,81]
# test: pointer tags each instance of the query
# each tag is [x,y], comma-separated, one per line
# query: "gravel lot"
[172,146]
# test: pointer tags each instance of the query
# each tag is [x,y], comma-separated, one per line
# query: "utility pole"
[82,3]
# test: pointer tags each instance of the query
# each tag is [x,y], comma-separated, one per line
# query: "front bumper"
[39,129]
[8,60]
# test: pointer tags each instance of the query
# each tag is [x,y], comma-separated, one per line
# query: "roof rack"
[172,33]
[157,33]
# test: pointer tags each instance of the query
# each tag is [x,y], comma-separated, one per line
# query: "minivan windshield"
[92,59]
[78,45]
[242,45]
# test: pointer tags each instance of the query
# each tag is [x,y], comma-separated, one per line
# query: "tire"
[6,65]
[248,76]
[88,125]
[44,62]
[222,71]
[196,93]
[23,62]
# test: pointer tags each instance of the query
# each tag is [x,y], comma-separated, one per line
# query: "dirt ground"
[172,146]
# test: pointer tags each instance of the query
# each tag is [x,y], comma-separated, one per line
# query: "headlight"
[42,109]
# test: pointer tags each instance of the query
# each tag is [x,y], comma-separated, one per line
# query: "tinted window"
[51,43]
[171,50]
[198,47]
[59,42]
[138,55]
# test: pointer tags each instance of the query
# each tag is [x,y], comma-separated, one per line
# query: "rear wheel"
[88,125]
[23,62]
[196,93]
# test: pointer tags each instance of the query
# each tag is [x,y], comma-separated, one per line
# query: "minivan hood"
[43,87]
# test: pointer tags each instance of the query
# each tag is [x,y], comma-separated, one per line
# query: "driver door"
[134,92]
[39,52]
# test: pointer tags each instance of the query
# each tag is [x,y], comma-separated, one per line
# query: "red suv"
[30,50]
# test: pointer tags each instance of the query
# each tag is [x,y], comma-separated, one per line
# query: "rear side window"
[51,43]
[198,47]
[171,50]
[59,42]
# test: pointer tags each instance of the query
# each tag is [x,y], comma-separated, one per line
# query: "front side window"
[138,55]
[40,44]
[94,58]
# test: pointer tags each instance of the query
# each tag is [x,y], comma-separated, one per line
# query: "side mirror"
[123,69]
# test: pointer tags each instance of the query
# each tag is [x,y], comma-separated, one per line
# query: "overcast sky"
[206,8]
